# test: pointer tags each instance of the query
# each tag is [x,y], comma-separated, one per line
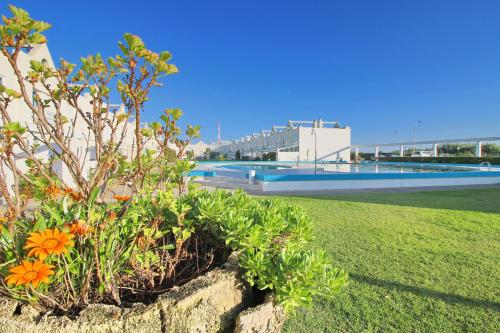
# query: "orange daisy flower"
[112,216]
[52,191]
[47,242]
[80,228]
[29,272]
[77,196]
[121,198]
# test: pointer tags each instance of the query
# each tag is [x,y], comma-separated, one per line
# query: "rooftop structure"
[297,141]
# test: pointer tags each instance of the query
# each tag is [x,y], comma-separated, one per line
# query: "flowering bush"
[71,254]
[91,243]
[74,253]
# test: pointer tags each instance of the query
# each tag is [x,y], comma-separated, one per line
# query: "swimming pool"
[283,176]
[255,167]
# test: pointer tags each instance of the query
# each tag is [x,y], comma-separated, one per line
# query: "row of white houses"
[298,141]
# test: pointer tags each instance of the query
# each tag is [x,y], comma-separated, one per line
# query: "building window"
[92,154]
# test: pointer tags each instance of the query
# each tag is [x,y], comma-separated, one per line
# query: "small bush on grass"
[271,238]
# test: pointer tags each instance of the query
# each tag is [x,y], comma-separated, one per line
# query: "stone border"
[210,303]
[265,318]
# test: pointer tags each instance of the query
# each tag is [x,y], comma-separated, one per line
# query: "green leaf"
[175,113]
[165,56]
[13,129]
[167,247]
[134,42]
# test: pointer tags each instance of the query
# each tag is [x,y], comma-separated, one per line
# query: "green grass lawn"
[418,262]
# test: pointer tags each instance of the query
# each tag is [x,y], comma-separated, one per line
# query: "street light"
[313,132]
[414,130]
[398,137]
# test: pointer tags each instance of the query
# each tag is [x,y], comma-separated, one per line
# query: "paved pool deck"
[322,193]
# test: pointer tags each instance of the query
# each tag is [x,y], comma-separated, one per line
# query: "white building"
[200,148]
[298,141]
[80,143]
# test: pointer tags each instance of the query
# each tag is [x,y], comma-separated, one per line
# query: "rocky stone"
[209,303]
[265,318]
[28,313]
[7,307]
[142,318]
[100,318]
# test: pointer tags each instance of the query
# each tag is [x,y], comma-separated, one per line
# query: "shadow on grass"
[485,200]
[448,298]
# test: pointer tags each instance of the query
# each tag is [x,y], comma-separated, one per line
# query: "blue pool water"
[240,169]
[288,176]
[256,167]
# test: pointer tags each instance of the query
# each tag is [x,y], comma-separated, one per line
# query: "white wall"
[332,144]
[287,156]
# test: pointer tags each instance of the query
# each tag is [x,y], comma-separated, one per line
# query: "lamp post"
[400,140]
[414,130]
[313,132]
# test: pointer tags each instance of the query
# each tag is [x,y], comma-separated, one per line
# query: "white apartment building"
[19,112]
[298,141]
[200,148]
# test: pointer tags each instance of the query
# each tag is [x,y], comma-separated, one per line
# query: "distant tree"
[271,156]
[237,155]
[457,149]
[491,149]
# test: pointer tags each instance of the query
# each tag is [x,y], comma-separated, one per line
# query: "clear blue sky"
[377,66]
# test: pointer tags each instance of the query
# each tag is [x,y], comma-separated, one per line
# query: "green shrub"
[271,238]
[451,159]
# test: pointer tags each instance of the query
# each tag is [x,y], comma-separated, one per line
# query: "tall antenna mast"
[218,134]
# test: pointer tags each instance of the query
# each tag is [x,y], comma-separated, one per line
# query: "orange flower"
[29,272]
[80,228]
[47,242]
[77,196]
[112,216]
[121,198]
[52,191]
